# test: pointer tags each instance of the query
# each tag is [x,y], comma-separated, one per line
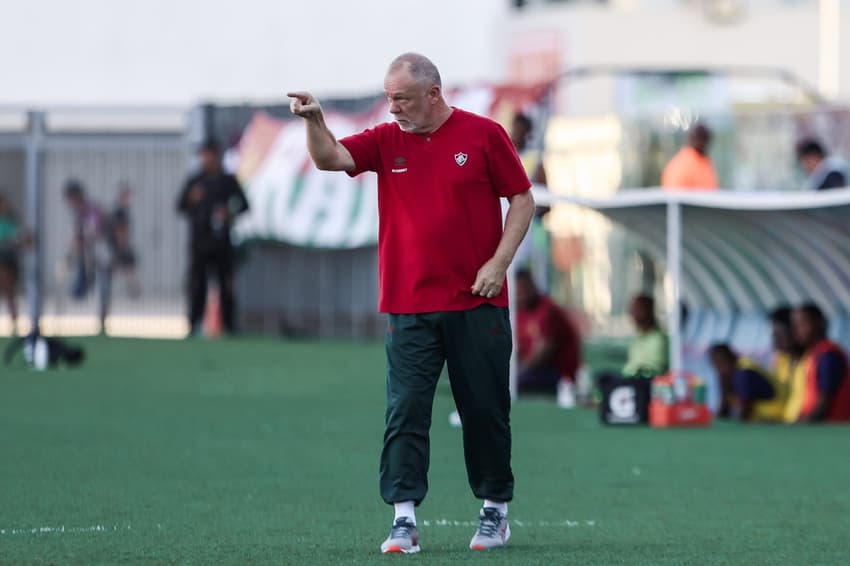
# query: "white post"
[512,313]
[829,48]
[509,278]
[674,268]
[34,148]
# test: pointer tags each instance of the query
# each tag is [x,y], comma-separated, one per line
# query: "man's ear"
[434,93]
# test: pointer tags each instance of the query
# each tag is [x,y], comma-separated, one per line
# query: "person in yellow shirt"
[691,168]
[785,362]
[750,392]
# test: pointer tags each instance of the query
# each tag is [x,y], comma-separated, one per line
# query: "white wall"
[180,51]
[770,33]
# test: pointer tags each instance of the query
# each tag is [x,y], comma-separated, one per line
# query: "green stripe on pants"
[476,345]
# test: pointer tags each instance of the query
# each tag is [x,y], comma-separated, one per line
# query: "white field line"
[62,529]
[566,523]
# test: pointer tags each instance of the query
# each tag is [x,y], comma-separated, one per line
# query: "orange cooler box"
[669,408]
[684,413]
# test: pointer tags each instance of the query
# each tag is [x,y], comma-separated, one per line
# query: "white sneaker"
[493,530]
[403,539]
[566,394]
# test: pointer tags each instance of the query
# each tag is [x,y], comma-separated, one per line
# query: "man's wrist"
[318,118]
[502,261]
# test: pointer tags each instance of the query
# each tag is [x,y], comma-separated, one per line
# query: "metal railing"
[105,151]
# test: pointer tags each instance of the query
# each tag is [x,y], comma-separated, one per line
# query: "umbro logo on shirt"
[460,158]
[399,165]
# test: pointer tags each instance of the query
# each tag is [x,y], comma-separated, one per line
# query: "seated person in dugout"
[749,391]
[786,351]
[548,343]
[649,352]
[820,388]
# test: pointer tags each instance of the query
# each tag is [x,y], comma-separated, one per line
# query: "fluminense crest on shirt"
[460,158]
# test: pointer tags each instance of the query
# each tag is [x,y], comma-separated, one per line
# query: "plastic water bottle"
[40,355]
[680,386]
[36,353]
[699,392]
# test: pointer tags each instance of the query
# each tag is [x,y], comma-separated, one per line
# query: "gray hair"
[420,68]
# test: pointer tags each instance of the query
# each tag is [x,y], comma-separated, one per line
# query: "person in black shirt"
[211,199]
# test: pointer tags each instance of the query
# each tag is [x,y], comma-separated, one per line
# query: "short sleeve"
[507,174]
[364,149]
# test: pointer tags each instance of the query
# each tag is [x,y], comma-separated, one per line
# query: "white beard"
[409,127]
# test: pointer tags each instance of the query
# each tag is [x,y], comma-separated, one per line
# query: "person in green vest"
[649,352]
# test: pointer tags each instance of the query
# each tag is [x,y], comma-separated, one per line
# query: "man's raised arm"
[327,153]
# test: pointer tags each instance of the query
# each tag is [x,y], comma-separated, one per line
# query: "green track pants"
[476,345]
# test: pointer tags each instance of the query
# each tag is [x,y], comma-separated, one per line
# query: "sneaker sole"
[395,549]
[479,547]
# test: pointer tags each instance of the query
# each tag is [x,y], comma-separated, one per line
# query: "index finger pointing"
[300,95]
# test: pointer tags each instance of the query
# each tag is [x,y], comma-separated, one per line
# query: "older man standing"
[443,258]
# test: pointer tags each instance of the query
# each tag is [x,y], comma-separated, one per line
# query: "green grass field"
[263,452]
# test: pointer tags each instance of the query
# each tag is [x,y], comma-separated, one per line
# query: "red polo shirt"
[438,207]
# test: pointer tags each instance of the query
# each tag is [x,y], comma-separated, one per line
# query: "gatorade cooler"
[625,401]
